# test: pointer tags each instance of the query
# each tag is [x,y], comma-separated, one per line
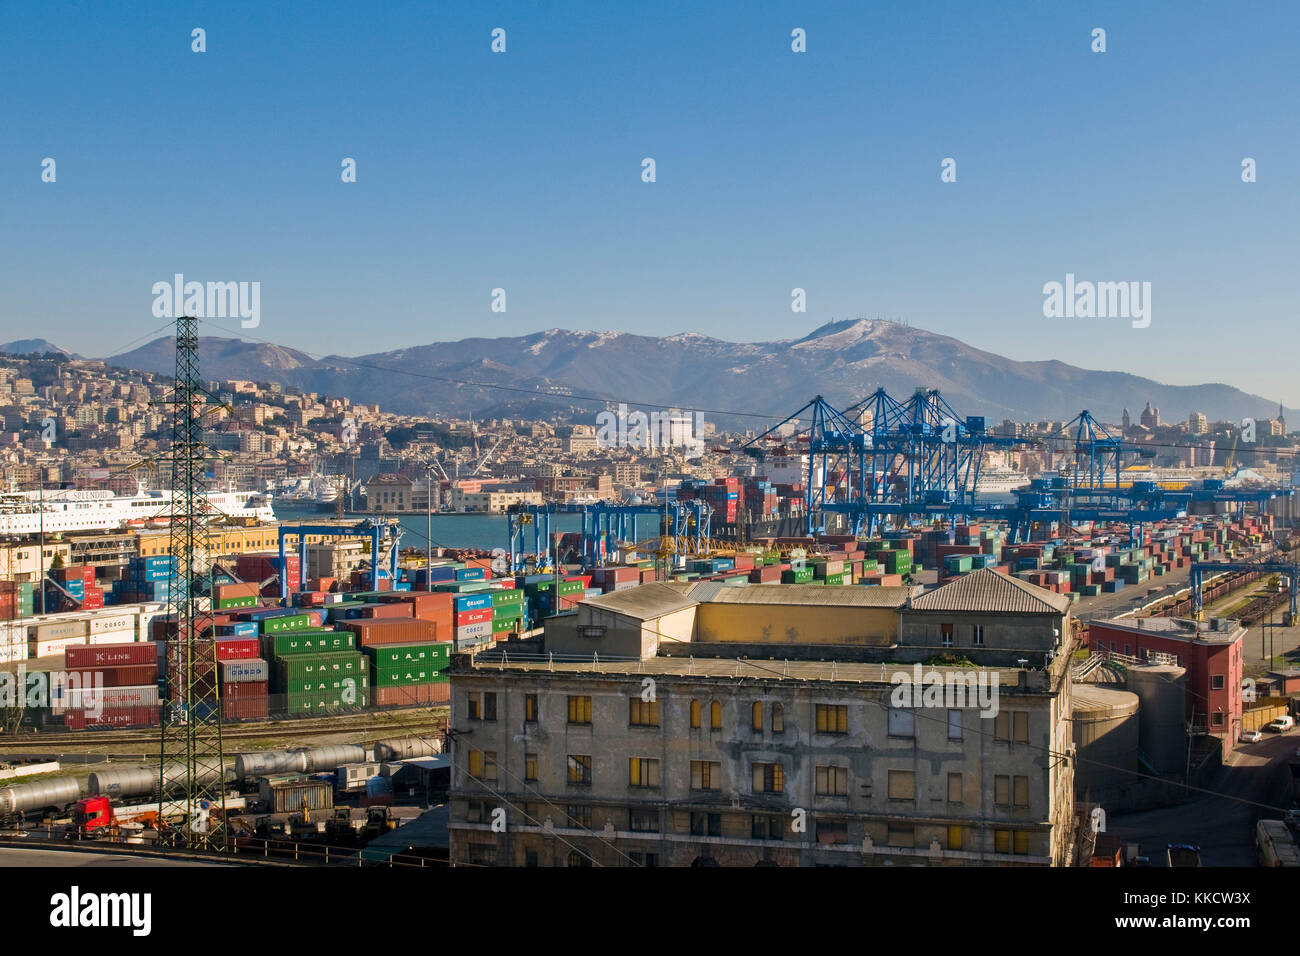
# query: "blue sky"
[775,170]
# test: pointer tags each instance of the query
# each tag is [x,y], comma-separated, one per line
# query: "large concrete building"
[695,724]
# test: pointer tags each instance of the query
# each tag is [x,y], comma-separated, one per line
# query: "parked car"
[1250,737]
[1280,725]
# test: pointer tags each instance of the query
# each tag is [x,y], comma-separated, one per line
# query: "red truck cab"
[93,815]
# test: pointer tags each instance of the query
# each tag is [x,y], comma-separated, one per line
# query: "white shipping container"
[13,652]
[42,648]
[13,633]
[147,613]
[115,623]
[114,637]
[62,630]
[83,698]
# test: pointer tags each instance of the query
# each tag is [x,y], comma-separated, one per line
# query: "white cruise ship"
[63,510]
[1000,481]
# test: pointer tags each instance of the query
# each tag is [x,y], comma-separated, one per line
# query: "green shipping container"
[313,666]
[403,655]
[326,703]
[501,626]
[292,644]
[290,622]
[835,579]
[405,676]
[507,596]
[229,603]
[332,685]
[511,612]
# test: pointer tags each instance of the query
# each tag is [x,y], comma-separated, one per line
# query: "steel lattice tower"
[192,758]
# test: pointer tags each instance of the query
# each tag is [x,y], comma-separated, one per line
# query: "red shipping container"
[89,656]
[243,690]
[125,676]
[427,604]
[93,600]
[411,695]
[387,609]
[238,648]
[112,717]
[375,631]
[246,708]
[225,592]
[466,618]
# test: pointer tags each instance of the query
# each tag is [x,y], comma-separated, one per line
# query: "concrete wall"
[796,624]
[1029,635]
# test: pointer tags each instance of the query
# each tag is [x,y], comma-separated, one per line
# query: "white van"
[1280,725]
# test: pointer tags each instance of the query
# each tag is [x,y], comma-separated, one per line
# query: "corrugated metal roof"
[812,595]
[643,602]
[989,591]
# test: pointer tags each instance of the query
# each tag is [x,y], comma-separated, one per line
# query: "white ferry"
[1000,481]
[66,510]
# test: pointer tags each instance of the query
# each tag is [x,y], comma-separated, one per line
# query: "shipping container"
[116,717]
[245,671]
[111,698]
[394,631]
[238,648]
[292,796]
[111,655]
[291,643]
[438,692]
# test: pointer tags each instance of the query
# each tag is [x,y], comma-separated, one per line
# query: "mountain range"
[560,373]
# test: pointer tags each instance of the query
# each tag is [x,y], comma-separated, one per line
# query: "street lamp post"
[428,535]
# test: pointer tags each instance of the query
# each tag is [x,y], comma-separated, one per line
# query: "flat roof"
[1177,628]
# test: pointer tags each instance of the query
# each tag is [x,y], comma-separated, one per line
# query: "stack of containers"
[111,685]
[77,581]
[245,678]
[17,599]
[473,619]
[145,579]
[405,675]
[260,567]
[230,596]
[508,610]
[112,628]
[432,606]
[318,669]
[50,637]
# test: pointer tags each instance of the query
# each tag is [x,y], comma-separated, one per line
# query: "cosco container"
[244,671]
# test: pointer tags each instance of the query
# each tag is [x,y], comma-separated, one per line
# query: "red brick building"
[1210,651]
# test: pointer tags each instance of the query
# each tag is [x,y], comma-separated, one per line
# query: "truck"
[95,818]
[1275,844]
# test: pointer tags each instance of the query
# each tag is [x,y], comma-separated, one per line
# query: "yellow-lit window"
[530,708]
[1020,719]
[642,713]
[954,788]
[902,785]
[695,713]
[769,778]
[778,719]
[1021,842]
[579,710]
[1001,791]
[832,781]
[1002,841]
[642,772]
[955,838]
[476,763]
[706,775]
[756,716]
[832,719]
[1002,725]
[715,715]
[474,706]
[530,768]
[580,768]
[1022,791]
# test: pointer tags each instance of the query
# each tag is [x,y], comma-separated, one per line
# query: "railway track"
[381,722]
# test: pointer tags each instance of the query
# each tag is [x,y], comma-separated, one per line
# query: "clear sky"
[775,170]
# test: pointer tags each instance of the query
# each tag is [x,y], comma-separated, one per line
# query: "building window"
[530,768]
[489,706]
[832,832]
[530,858]
[945,633]
[832,718]
[530,708]
[977,635]
[715,715]
[769,778]
[706,775]
[778,719]
[642,713]
[1020,842]
[954,788]
[706,824]
[832,781]
[1020,726]
[490,765]
[1217,682]
[956,837]
[695,714]
[579,816]
[580,770]
[902,836]
[643,859]
[474,811]
[578,858]
[474,706]
[1002,791]
[756,716]
[580,710]
[902,785]
[483,854]
[1217,718]
[1022,792]
[764,827]
[954,725]
[642,772]
[902,723]
[476,763]
[643,821]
